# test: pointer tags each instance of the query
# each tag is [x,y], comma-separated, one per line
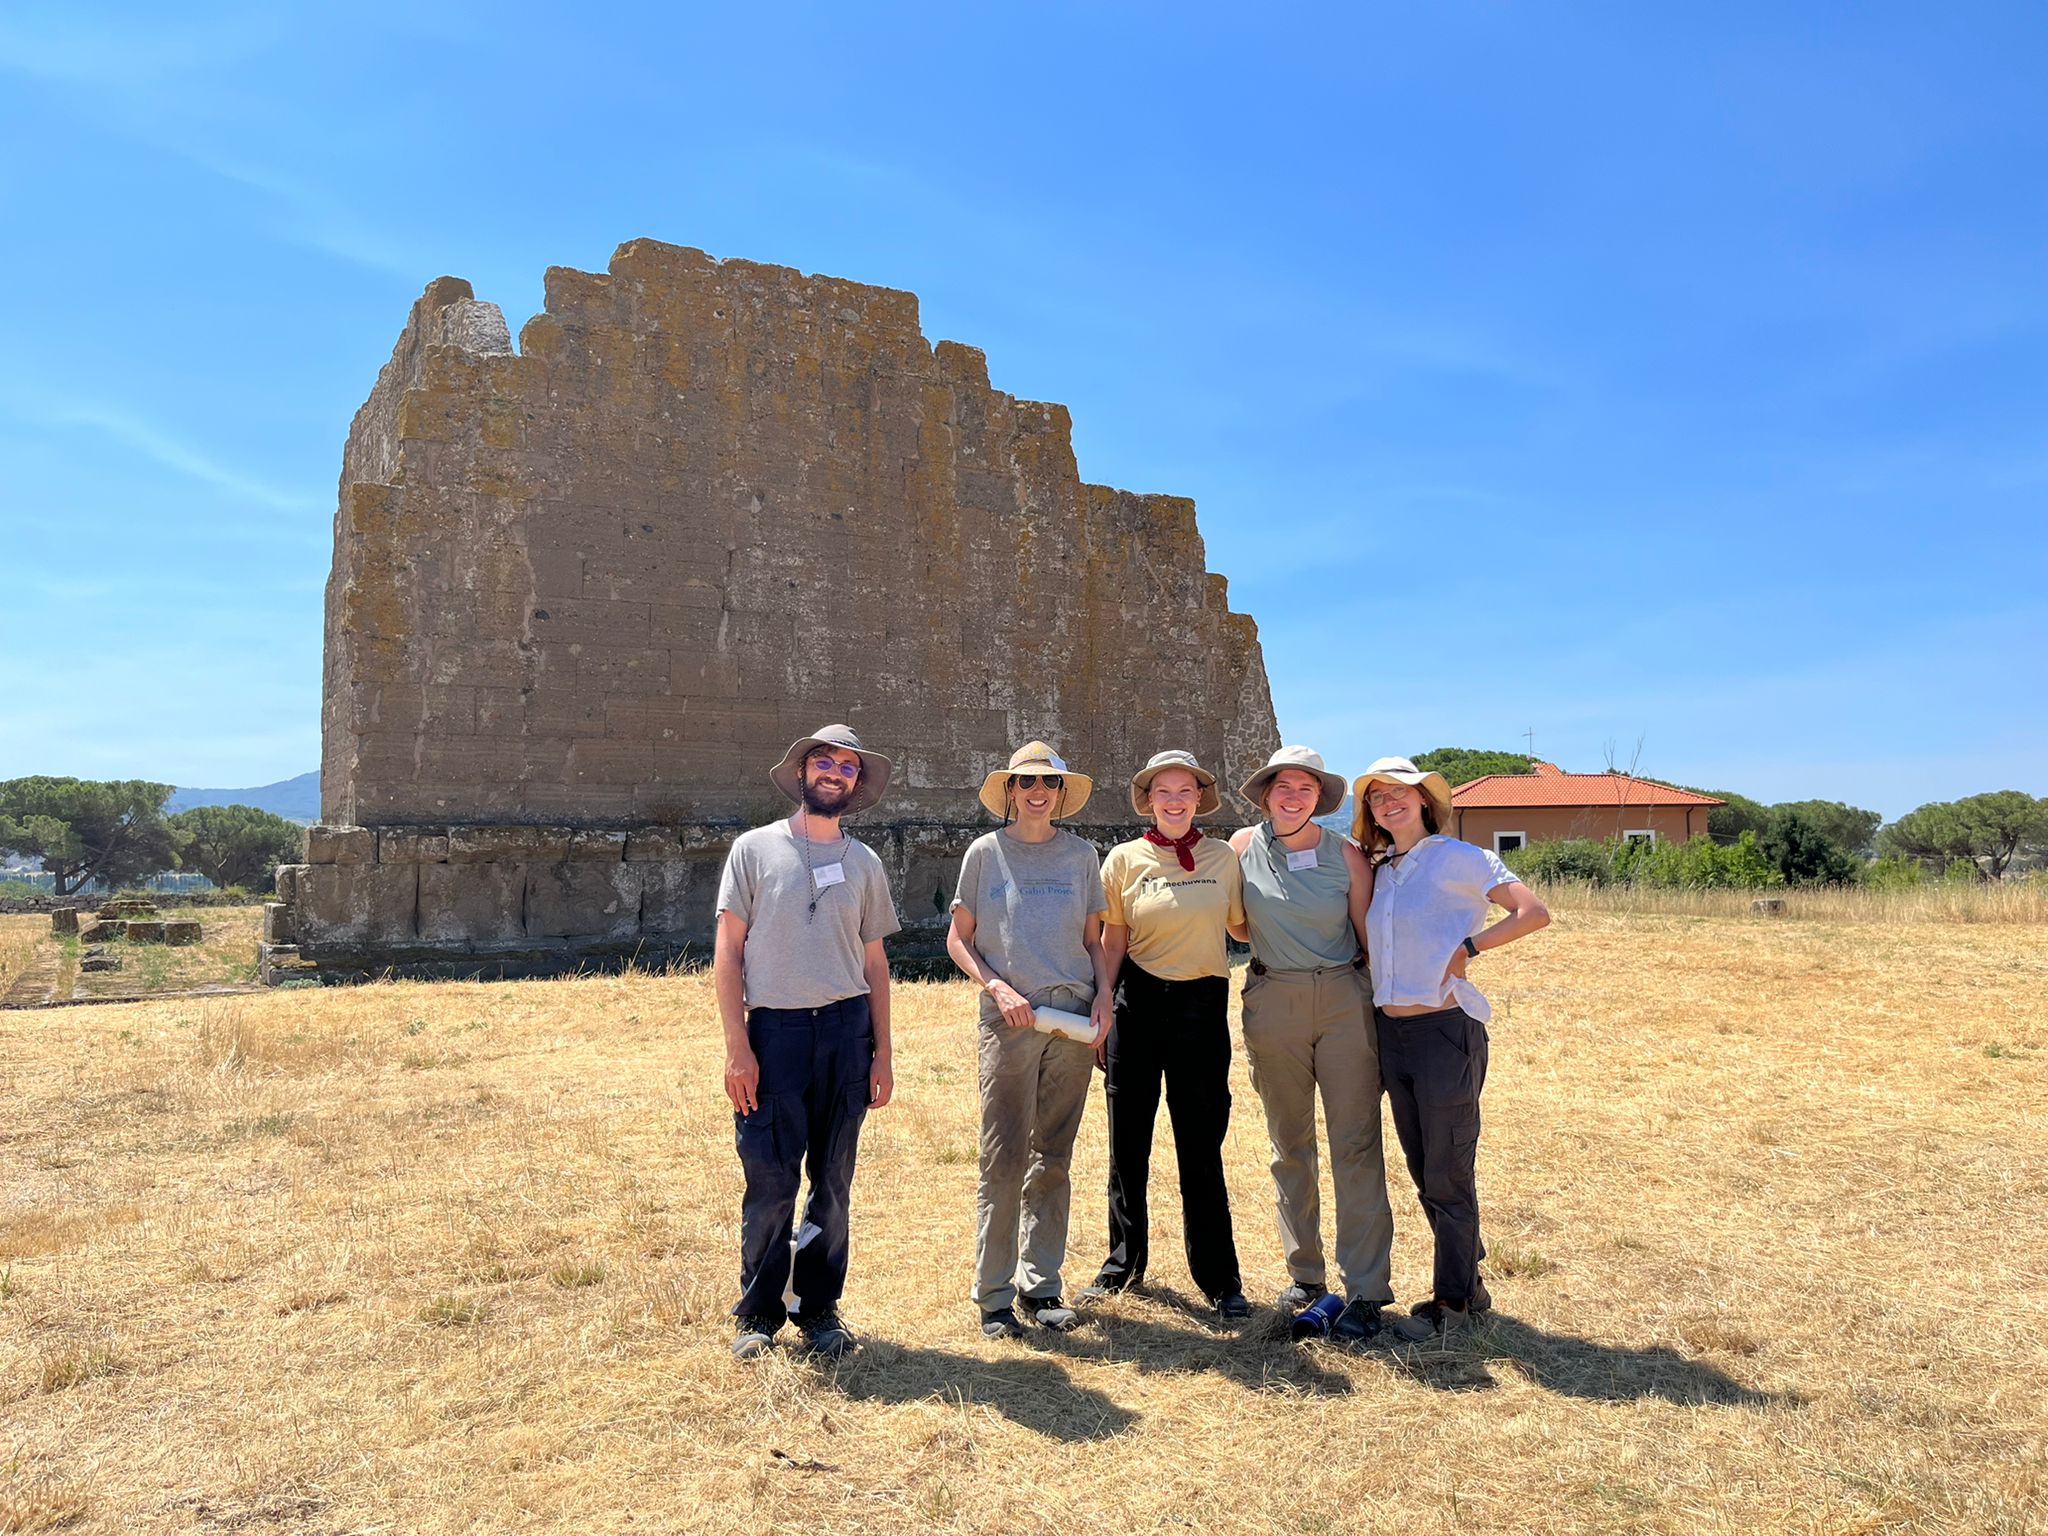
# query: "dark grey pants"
[1433,1066]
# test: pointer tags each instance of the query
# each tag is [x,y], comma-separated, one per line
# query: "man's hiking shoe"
[1446,1320]
[1002,1324]
[1104,1286]
[825,1335]
[752,1337]
[1481,1300]
[1364,1322]
[1299,1296]
[1233,1308]
[1049,1312]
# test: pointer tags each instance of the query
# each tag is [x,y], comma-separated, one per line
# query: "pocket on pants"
[755,1136]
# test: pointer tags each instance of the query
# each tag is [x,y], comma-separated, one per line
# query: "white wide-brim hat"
[1397,770]
[1036,757]
[1309,762]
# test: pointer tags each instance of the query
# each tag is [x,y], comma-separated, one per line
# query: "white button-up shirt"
[1422,909]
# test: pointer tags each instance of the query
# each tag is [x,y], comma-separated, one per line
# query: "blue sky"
[1618,373]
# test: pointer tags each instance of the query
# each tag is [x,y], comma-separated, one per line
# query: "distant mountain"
[294,799]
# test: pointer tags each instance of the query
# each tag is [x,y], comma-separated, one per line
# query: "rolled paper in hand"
[1057,1021]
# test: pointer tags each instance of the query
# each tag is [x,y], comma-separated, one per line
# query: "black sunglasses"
[1027,780]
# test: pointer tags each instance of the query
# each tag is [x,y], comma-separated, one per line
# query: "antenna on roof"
[1530,736]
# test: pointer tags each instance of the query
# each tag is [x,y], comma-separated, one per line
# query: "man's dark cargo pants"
[812,1099]
[1433,1066]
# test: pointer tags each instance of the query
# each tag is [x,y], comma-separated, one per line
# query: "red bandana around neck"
[1183,845]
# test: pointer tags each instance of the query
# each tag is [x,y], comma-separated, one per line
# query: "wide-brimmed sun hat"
[788,775]
[1141,782]
[1036,757]
[1397,770]
[1328,798]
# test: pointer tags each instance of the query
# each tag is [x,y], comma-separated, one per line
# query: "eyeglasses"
[1028,780]
[1382,796]
[833,765]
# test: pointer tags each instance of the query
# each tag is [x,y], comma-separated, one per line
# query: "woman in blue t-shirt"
[1430,898]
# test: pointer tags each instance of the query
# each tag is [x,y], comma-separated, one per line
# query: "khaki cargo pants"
[1306,1031]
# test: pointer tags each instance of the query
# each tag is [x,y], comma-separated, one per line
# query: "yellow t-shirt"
[1176,916]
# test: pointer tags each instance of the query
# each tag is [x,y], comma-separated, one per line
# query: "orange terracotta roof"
[1550,785]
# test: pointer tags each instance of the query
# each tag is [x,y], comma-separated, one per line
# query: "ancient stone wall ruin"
[585,592]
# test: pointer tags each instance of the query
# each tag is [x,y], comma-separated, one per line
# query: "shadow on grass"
[1162,1332]
[1029,1390]
[1575,1367]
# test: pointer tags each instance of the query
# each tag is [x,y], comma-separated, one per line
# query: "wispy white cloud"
[161,447]
[312,217]
[73,47]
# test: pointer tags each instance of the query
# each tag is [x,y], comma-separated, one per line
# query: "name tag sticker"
[1301,858]
[829,874]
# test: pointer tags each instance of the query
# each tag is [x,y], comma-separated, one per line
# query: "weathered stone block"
[597,846]
[277,923]
[651,845]
[181,930]
[677,896]
[277,963]
[288,882]
[129,906]
[100,963]
[411,845]
[105,931]
[574,900]
[463,904]
[64,920]
[340,845]
[357,904]
[144,930]
[491,845]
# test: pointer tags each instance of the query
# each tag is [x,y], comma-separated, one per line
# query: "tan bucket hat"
[1037,757]
[1309,762]
[1141,782]
[1396,770]
[788,775]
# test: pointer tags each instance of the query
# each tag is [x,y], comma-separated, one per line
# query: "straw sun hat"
[788,775]
[1141,782]
[1328,798]
[1397,770]
[1036,757]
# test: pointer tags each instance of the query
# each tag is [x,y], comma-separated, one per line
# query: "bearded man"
[803,993]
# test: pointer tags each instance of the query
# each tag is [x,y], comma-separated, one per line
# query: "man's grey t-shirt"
[1029,902]
[791,959]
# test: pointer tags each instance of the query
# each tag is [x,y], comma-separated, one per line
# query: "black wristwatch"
[1471,948]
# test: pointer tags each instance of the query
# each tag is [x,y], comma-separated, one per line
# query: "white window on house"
[1638,835]
[1505,842]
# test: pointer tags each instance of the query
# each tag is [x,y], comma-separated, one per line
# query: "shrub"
[1889,874]
[1565,861]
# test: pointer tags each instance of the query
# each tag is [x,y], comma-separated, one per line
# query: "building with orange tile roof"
[1505,810]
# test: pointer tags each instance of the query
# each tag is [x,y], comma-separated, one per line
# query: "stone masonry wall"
[585,592]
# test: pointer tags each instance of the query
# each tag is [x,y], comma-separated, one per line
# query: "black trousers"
[1433,1066]
[812,1099]
[1176,1032]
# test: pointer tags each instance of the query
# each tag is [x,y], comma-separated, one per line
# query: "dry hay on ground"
[1766,1204]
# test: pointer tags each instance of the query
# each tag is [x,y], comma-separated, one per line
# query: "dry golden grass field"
[1767,1200]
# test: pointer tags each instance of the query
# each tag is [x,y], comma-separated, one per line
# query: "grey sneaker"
[1445,1320]
[1049,1312]
[1299,1295]
[1481,1300]
[1002,1324]
[825,1335]
[752,1337]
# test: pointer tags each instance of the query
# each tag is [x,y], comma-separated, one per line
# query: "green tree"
[85,829]
[1461,765]
[2003,824]
[1850,828]
[1934,833]
[1988,830]
[237,844]
[1802,853]
[1739,814]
